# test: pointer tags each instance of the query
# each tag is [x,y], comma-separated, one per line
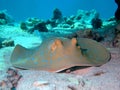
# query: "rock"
[32,21]
[56,19]
[109,22]
[41,27]
[63,25]
[78,25]
[7,43]
[69,21]
[57,14]
[83,19]
[96,23]
[86,16]
[5,18]
[34,24]
[23,26]
[3,21]
[86,33]
[11,80]
[1,40]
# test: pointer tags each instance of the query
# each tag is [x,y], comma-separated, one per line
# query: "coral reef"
[23,26]
[5,18]
[41,27]
[79,21]
[96,22]
[86,33]
[34,24]
[1,40]
[57,14]
[82,20]
[74,25]
[6,42]
[56,19]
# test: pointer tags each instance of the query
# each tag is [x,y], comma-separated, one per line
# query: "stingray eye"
[74,41]
[53,47]
[78,47]
[56,44]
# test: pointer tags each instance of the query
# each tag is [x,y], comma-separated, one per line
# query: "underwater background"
[22,9]
[38,34]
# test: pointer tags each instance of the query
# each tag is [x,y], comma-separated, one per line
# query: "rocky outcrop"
[5,18]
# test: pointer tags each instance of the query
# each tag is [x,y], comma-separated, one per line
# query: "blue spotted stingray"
[58,53]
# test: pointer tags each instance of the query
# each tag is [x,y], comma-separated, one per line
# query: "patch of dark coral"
[33,24]
[56,19]
[11,81]
[1,40]
[6,42]
[51,22]
[41,27]
[5,18]
[96,23]
[57,14]
[23,26]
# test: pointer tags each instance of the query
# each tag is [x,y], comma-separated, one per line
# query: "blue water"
[22,9]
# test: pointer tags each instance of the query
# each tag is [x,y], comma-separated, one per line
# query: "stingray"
[58,53]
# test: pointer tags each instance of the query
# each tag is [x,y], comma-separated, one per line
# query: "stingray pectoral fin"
[74,41]
[95,52]
[19,54]
[56,44]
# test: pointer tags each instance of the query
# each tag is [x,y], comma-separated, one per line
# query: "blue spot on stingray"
[41,53]
[59,59]
[45,61]
[91,56]
[51,61]
[36,63]
[33,58]
[26,54]
[51,55]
